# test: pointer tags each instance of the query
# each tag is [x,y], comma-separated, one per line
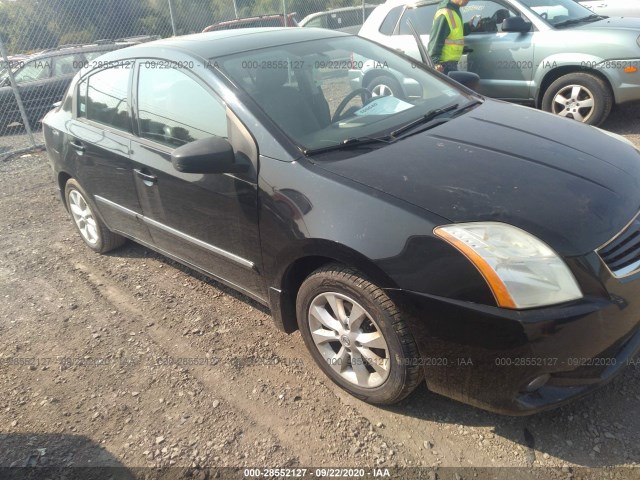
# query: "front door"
[209,221]
[503,60]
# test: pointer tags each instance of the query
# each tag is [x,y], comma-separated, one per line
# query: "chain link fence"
[43,43]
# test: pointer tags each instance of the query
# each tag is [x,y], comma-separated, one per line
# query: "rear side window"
[107,98]
[174,109]
[66,65]
[389,24]
[421,18]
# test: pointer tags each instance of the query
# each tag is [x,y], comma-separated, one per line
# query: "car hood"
[627,23]
[572,185]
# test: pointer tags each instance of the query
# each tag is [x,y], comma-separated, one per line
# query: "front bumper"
[625,85]
[487,356]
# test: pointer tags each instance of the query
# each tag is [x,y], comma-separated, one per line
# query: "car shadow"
[134,250]
[624,119]
[52,455]
[570,433]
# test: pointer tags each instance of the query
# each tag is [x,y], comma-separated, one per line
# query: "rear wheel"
[579,96]
[357,335]
[92,230]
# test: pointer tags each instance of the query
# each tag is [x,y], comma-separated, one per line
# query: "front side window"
[174,109]
[491,15]
[34,71]
[107,98]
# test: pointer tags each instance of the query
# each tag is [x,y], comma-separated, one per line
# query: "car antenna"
[426,59]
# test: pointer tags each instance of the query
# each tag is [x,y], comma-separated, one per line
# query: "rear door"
[99,146]
[208,221]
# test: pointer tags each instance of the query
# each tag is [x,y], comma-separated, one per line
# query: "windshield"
[559,13]
[331,91]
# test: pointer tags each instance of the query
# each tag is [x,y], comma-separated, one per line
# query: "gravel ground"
[90,373]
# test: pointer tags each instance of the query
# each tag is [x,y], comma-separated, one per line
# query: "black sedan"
[490,250]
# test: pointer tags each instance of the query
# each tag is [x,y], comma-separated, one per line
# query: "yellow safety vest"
[454,44]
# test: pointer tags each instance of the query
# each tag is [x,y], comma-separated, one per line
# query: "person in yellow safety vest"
[446,41]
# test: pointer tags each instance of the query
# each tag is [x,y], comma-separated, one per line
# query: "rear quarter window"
[389,24]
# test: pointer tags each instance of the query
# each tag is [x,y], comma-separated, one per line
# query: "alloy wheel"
[83,216]
[382,90]
[574,101]
[349,339]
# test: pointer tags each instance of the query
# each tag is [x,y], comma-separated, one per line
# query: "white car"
[348,19]
[614,8]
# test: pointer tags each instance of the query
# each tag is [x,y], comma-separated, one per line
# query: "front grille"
[622,254]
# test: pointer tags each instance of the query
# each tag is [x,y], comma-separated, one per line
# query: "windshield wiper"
[349,143]
[429,117]
[426,118]
[574,21]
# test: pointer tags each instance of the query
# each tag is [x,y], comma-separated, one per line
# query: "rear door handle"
[148,179]
[77,146]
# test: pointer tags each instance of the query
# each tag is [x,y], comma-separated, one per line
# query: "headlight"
[521,271]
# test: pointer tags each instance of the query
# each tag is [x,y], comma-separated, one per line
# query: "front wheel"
[357,335]
[579,96]
[92,230]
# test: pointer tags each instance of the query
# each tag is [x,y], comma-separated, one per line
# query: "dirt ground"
[132,360]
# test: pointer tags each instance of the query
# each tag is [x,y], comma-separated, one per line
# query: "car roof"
[227,42]
[106,45]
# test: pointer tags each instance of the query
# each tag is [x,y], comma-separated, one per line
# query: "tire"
[580,96]
[397,373]
[83,213]
[384,85]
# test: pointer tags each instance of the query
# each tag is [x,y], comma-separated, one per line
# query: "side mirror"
[468,79]
[209,155]
[516,24]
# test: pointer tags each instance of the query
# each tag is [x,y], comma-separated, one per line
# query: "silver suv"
[554,54]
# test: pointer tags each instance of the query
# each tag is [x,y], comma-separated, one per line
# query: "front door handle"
[146,177]
[77,146]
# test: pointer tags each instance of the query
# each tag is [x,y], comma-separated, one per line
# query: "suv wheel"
[92,230]
[579,96]
[357,335]
[385,86]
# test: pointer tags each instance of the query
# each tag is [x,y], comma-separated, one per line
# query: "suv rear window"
[421,18]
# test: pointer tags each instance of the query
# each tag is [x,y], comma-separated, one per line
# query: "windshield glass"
[330,91]
[558,12]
